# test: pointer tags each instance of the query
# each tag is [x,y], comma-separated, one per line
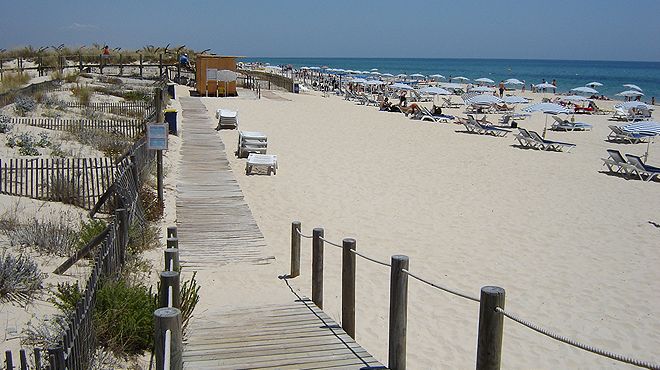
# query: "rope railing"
[491,313]
[575,343]
[451,291]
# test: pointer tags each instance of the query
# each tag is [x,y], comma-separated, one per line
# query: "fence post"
[169,279]
[134,170]
[172,259]
[158,102]
[56,358]
[9,361]
[165,319]
[295,249]
[23,359]
[37,358]
[398,313]
[122,216]
[491,325]
[141,66]
[172,243]
[348,287]
[317,267]
[171,232]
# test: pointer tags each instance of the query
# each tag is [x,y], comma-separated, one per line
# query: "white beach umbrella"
[483,99]
[315,68]
[374,82]
[633,104]
[484,80]
[513,81]
[359,81]
[630,93]
[634,87]
[387,75]
[574,98]
[375,73]
[374,69]
[402,75]
[417,75]
[585,90]
[482,89]
[451,85]
[433,90]
[644,127]
[545,85]
[340,70]
[594,84]
[400,86]
[547,108]
[515,100]
[437,76]
[460,78]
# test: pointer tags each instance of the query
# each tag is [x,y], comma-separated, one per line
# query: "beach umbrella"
[433,90]
[545,85]
[483,99]
[437,76]
[358,80]
[585,90]
[375,73]
[374,69]
[630,93]
[402,75]
[315,68]
[515,100]
[484,80]
[400,86]
[513,81]
[634,87]
[574,98]
[644,127]
[594,84]
[633,104]
[387,75]
[547,108]
[374,82]
[417,75]
[460,78]
[340,70]
[481,89]
[450,85]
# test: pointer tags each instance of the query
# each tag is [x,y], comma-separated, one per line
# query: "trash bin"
[170,90]
[296,88]
[170,118]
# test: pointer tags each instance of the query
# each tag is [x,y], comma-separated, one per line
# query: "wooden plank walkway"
[214,221]
[216,228]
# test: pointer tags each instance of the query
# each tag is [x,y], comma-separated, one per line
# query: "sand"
[575,248]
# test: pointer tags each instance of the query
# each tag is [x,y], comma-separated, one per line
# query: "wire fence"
[526,323]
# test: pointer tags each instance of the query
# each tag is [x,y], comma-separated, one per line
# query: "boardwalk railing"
[491,304]
[129,128]
[168,333]
[278,80]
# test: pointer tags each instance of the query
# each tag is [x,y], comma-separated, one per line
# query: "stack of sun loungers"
[227,119]
[531,139]
[251,142]
[631,165]
[476,127]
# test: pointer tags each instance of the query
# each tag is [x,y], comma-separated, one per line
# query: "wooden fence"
[141,110]
[281,81]
[78,181]
[9,97]
[129,128]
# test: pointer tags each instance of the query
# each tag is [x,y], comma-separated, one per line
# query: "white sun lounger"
[227,119]
[251,142]
[268,161]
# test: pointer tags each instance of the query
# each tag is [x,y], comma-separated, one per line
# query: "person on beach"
[403,99]
[385,105]
[653,100]
[412,109]
[105,55]
[554,83]
[501,86]
[184,61]
[523,87]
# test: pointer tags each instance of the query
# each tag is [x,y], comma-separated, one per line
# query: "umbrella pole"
[545,125]
[646,155]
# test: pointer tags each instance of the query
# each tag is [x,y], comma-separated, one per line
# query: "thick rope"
[303,235]
[370,259]
[574,343]
[331,243]
[454,292]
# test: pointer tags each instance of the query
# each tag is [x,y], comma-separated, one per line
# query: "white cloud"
[82,26]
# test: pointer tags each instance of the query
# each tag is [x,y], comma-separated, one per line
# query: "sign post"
[157,140]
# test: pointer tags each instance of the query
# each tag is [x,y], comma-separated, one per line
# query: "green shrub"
[5,124]
[124,317]
[45,236]
[89,230]
[66,297]
[24,104]
[71,77]
[137,95]
[83,94]
[142,238]
[20,278]
[152,207]
[12,81]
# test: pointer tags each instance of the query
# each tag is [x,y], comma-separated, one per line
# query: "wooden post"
[122,216]
[178,68]
[121,65]
[317,267]
[172,242]
[169,279]
[134,170]
[23,359]
[491,326]
[295,249]
[100,63]
[159,176]
[141,65]
[171,232]
[172,259]
[160,65]
[348,287]
[37,358]
[80,63]
[56,356]
[398,313]
[9,360]
[168,319]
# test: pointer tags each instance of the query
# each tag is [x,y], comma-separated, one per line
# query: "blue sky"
[533,29]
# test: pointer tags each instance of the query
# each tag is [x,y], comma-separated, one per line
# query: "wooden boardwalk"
[215,229]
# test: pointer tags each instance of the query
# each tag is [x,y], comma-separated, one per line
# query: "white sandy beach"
[575,248]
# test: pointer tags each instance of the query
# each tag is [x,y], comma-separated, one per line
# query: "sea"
[569,74]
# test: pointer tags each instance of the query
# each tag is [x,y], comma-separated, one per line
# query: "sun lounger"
[525,139]
[565,125]
[425,114]
[617,164]
[476,127]
[227,119]
[268,161]
[251,142]
[544,144]
[643,169]
[447,103]
[619,135]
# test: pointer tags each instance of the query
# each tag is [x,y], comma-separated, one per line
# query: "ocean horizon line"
[455,58]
